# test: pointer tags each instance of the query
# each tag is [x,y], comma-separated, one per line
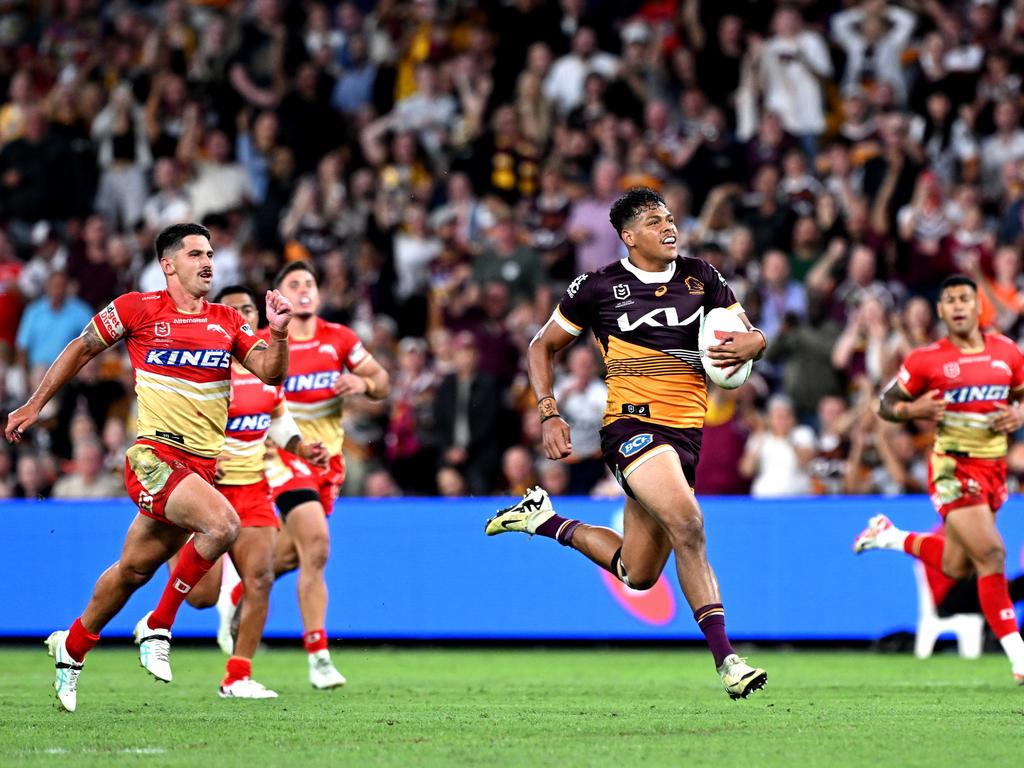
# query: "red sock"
[238,668]
[79,640]
[925,547]
[187,573]
[236,593]
[996,604]
[315,641]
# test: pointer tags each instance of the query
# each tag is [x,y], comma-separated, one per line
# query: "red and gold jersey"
[182,365]
[648,325]
[314,365]
[249,413]
[973,384]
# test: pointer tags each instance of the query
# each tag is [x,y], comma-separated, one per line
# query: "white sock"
[1013,646]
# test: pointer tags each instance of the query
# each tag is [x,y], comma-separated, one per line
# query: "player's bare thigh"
[645,545]
[197,506]
[662,488]
[973,543]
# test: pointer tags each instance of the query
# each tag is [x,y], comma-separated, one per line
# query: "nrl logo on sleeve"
[636,444]
[620,291]
[574,286]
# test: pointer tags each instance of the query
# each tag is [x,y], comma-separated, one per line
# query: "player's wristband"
[551,416]
[765,339]
[276,335]
[548,407]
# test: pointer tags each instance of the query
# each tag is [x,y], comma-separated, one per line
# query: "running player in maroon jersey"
[255,411]
[645,311]
[971,384]
[326,364]
[181,348]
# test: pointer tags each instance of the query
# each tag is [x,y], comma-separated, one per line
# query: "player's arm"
[897,404]
[540,359]
[735,349]
[269,362]
[368,378]
[285,434]
[75,355]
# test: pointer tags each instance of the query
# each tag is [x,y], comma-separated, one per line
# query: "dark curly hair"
[631,204]
[170,239]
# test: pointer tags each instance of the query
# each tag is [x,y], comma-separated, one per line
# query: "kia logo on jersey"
[254,423]
[658,318]
[307,382]
[199,358]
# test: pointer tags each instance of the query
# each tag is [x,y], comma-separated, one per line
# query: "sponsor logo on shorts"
[112,321]
[199,358]
[307,382]
[984,393]
[636,444]
[253,423]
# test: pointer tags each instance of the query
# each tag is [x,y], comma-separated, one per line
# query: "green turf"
[523,708]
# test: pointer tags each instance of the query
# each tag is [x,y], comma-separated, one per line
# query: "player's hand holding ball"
[279,311]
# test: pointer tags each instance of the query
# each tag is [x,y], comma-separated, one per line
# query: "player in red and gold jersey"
[326,364]
[181,348]
[256,410]
[971,384]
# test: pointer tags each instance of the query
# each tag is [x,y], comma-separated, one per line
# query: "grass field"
[521,708]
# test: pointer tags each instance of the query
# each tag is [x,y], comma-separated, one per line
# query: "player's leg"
[974,527]
[205,593]
[662,487]
[195,505]
[147,545]
[306,526]
[253,555]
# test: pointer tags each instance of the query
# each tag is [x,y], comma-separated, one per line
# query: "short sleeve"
[118,318]
[1016,366]
[351,351]
[577,308]
[717,292]
[244,338]
[912,374]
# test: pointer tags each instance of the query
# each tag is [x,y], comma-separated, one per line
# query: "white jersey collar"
[649,277]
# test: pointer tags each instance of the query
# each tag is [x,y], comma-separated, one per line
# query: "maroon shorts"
[253,503]
[627,443]
[324,483]
[955,482]
[153,470]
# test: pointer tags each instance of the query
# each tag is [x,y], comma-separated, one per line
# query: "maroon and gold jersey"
[249,413]
[648,325]
[182,365]
[313,366]
[973,385]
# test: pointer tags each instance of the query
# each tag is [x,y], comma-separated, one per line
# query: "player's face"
[653,234]
[192,264]
[244,303]
[299,287]
[958,309]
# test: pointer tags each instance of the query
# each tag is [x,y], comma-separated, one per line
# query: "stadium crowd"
[448,167]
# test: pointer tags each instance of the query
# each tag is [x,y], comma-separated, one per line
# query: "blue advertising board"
[423,569]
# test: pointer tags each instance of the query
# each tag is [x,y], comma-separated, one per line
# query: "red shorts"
[325,483]
[955,482]
[253,503]
[153,470]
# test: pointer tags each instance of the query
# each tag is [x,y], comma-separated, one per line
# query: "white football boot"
[739,678]
[154,649]
[322,673]
[246,688]
[524,516]
[226,613]
[880,534]
[68,670]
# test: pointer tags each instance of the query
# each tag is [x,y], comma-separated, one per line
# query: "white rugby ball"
[723,320]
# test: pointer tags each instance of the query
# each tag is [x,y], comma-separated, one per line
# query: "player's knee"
[687,530]
[992,559]
[642,583]
[133,575]
[260,582]
[315,551]
[225,527]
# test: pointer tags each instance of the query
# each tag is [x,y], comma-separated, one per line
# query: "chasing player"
[327,363]
[645,311]
[180,347]
[971,384]
[255,411]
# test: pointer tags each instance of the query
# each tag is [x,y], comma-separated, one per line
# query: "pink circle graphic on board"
[656,606]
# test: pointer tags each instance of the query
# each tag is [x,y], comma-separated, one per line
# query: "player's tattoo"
[93,343]
[891,397]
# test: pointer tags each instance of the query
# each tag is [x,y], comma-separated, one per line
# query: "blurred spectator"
[553,476]
[407,442]
[88,479]
[596,242]
[874,37]
[89,264]
[168,204]
[564,83]
[1000,294]
[582,397]
[508,260]
[828,467]
[778,453]
[380,485]
[780,295]
[517,471]
[31,479]
[723,442]
[450,482]
[119,131]
[466,415]
[11,301]
[47,326]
